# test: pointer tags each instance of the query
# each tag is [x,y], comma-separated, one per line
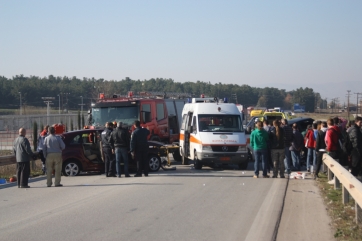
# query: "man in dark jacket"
[107,150]
[355,137]
[120,143]
[139,148]
[296,147]
[320,147]
[23,153]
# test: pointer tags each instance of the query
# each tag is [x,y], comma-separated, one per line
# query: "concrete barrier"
[349,184]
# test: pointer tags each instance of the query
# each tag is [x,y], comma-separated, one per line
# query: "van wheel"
[198,163]
[154,163]
[243,165]
[185,160]
[71,168]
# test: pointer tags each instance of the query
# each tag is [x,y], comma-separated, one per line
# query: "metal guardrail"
[7,160]
[350,185]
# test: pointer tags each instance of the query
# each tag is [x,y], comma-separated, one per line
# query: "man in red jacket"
[332,139]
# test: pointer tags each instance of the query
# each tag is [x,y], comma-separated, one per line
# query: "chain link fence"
[10,125]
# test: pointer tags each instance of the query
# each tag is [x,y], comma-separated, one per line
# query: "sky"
[282,44]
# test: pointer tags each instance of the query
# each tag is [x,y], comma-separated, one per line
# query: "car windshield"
[219,123]
[125,114]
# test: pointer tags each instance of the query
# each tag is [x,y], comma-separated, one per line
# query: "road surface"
[186,204]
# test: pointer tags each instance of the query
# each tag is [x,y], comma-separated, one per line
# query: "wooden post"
[345,195]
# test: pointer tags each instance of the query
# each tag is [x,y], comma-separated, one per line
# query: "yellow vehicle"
[257,113]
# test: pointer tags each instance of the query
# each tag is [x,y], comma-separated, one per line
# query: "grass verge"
[343,216]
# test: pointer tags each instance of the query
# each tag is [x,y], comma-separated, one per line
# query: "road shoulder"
[304,215]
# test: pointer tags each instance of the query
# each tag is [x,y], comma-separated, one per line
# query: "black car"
[302,123]
[83,152]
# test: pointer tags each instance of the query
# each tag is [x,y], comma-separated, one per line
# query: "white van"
[212,133]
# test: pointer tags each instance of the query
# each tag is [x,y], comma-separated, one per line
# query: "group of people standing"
[50,149]
[117,144]
[279,146]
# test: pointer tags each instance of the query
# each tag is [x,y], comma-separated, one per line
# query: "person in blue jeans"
[296,147]
[310,138]
[120,142]
[258,141]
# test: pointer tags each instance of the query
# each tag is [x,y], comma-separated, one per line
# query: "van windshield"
[126,114]
[219,123]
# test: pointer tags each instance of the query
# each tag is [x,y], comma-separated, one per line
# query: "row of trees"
[69,92]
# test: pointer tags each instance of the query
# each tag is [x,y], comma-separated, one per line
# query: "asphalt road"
[185,204]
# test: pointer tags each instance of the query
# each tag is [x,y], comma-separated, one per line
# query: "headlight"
[206,148]
[242,148]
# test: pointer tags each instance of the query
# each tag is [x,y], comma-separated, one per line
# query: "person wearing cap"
[120,142]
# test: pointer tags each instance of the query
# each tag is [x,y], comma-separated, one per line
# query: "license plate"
[226,158]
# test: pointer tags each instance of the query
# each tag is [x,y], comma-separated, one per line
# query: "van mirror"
[248,130]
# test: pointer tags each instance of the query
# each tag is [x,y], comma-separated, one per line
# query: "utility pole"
[21,111]
[48,101]
[348,95]
[59,103]
[357,102]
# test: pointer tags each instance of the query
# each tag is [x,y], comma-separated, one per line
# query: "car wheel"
[243,165]
[155,138]
[197,162]
[71,168]
[154,163]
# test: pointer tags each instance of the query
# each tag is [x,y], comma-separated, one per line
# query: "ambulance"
[212,133]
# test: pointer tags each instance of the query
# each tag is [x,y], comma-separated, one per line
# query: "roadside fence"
[350,185]
[10,125]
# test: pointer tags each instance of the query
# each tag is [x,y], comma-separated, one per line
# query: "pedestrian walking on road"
[120,143]
[258,141]
[107,150]
[52,149]
[23,153]
[139,148]
[277,149]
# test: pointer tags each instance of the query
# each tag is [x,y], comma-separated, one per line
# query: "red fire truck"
[160,112]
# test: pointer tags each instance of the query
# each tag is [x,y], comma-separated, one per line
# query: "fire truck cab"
[162,116]
[212,133]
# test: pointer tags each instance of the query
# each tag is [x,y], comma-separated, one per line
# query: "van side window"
[160,111]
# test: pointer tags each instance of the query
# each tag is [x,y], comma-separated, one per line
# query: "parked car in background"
[83,153]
